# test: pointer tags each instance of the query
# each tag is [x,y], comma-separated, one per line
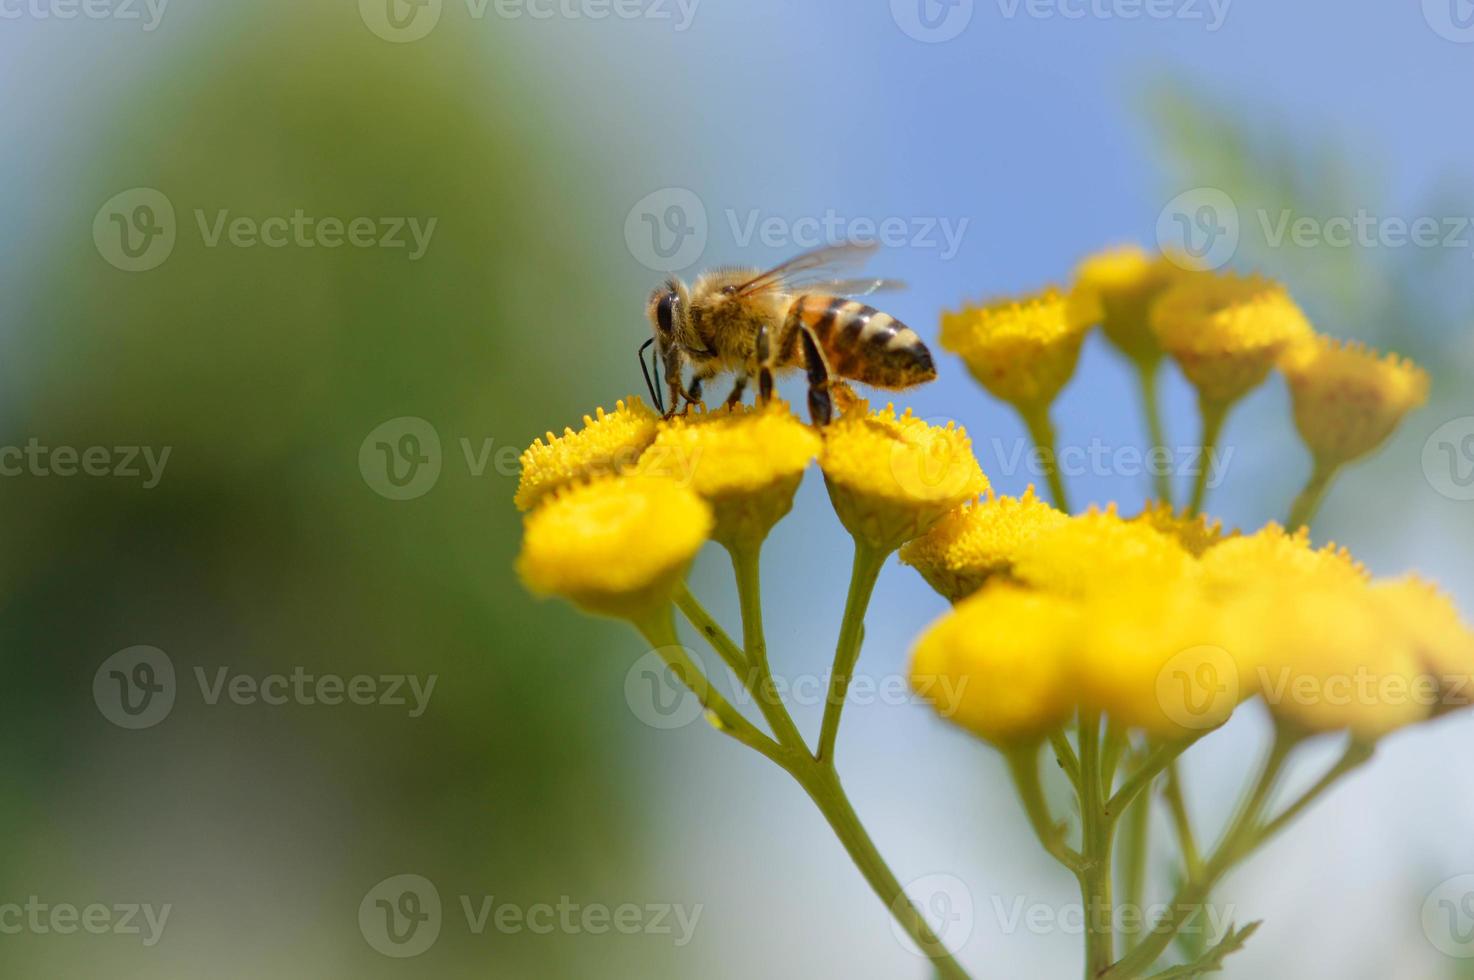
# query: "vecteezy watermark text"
[40,918]
[1206,227]
[403,21]
[149,13]
[136,230]
[668,230]
[122,462]
[136,688]
[402,917]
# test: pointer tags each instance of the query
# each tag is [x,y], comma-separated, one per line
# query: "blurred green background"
[267,547]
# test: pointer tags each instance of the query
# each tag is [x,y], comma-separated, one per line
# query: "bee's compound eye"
[663,312]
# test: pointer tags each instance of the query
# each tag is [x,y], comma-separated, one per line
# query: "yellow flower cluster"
[1165,624]
[1023,351]
[619,508]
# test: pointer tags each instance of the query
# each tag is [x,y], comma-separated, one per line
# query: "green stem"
[1308,503]
[698,617]
[818,778]
[822,784]
[745,565]
[1147,373]
[1237,842]
[1135,848]
[1357,754]
[1187,841]
[1023,763]
[1095,871]
[863,574]
[1065,753]
[1041,430]
[1213,414]
[659,629]
[1157,760]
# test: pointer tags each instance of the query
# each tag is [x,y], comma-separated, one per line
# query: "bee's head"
[666,307]
[667,310]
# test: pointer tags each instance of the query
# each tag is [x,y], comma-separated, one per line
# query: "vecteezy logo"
[657,696]
[933,473]
[1199,687]
[1202,225]
[135,230]
[932,21]
[1448,459]
[1452,20]
[400,21]
[666,229]
[400,916]
[400,459]
[945,902]
[134,688]
[1448,917]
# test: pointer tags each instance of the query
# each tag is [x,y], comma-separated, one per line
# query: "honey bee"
[794,316]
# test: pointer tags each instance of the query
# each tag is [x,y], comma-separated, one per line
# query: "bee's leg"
[765,366]
[821,409]
[737,389]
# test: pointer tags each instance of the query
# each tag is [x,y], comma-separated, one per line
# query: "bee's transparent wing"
[845,287]
[820,265]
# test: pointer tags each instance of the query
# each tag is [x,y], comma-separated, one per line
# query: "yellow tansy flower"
[745,462]
[1123,283]
[618,546]
[979,541]
[1273,554]
[1153,657]
[1442,640]
[1226,331]
[998,664]
[610,442]
[1348,399]
[1329,659]
[1098,550]
[1023,351]
[1197,533]
[892,477]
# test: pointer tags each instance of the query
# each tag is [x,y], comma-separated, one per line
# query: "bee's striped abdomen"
[861,343]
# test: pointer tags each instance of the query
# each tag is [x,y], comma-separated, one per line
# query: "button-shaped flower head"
[1348,399]
[618,546]
[892,477]
[1226,331]
[746,463]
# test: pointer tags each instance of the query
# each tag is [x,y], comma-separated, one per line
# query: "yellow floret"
[892,477]
[618,546]
[998,664]
[1197,533]
[1154,657]
[1272,554]
[746,462]
[1124,283]
[1023,351]
[1226,331]
[1348,399]
[1098,550]
[978,542]
[610,442]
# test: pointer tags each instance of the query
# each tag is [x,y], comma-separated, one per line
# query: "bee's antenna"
[652,386]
